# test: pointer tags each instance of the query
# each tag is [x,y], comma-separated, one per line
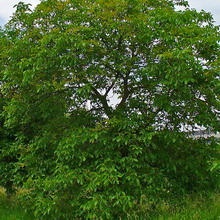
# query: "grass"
[10,209]
[192,207]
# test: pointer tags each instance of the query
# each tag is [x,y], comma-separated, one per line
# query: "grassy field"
[192,207]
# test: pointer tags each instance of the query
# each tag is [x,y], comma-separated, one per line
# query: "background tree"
[84,155]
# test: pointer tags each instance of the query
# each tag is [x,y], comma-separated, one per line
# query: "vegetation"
[78,152]
[10,209]
[196,206]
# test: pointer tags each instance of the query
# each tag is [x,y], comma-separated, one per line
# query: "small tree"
[86,154]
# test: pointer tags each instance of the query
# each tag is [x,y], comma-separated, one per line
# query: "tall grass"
[10,209]
[191,207]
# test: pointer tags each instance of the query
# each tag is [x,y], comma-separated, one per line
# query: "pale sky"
[213,6]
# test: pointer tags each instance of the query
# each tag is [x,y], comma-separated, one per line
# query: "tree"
[84,155]
[8,153]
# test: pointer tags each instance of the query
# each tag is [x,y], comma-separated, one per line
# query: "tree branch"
[125,94]
[103,100]
[110,87]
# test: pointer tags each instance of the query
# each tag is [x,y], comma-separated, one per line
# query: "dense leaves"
[97,97]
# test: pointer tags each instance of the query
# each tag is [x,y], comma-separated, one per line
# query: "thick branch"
[125,94]
[110,87]
[103,100]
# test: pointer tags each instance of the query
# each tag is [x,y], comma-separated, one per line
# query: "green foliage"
[203,205]
[194,206]
[81,156]
[8,150]
[10,209]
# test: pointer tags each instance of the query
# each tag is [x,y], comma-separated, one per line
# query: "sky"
[213,6]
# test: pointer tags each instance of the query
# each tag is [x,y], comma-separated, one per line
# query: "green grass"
[192,207]
[10,209]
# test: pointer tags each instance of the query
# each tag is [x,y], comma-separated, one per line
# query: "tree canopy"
[96,95]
